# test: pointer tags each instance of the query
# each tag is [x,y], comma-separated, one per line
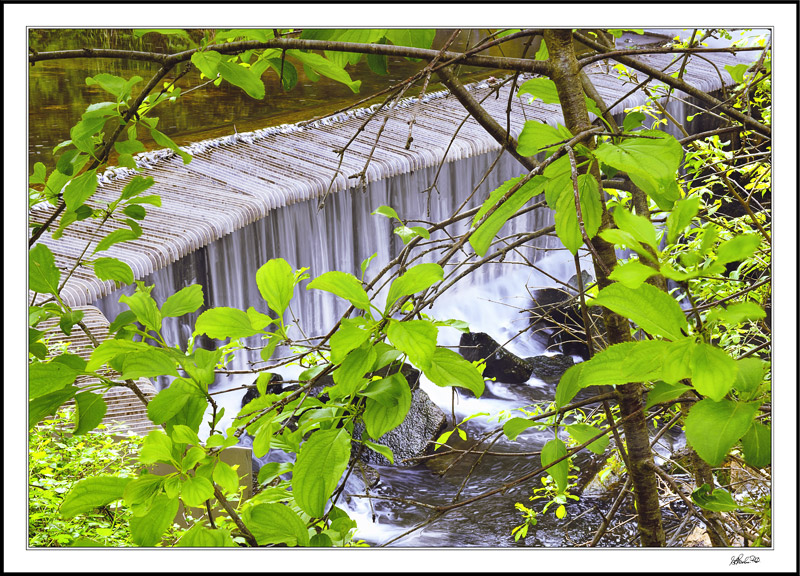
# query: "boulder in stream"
[550,368]
[500,363]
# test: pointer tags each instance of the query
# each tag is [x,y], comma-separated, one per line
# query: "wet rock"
[364,477]
[550,368]
[500,363]
[275,386]
[412,438]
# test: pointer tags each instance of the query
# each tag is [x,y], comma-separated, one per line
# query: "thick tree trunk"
[566,75]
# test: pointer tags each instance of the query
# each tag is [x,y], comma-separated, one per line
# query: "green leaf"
[388,402]
[482,238]
[748,377]
[170,401]
[163,140]
[736,313]
[129,147]
[118,236]
[718,500]
[220,323]
[196,490]
[638,361]
[157,447]
[566,217]
[387,211]
[632,274]
[378,64]
[145,308]
[140,493]
[284,69]
[184,435]
[263,439]
[637,226]
[407,234]
[43,275]
[275,281]
[514,427]
[80,189]
[348,337]
[69,319]
[242,77]
[207,62]
[47,377]
[584,432]
[135,211]
[551,452]
[651,162]
[712,428]
[276,524]
[226,477]
[184,301]
[655,312]
[757,445]
[201,537]
[48,404]
[622,238]
[384,451]
[147,530]
[449,369]
[537,136]
[272,470]
[737,72]
[633,120]
[200,366]
[320,464]
[343,285]
[683,212]
[415,338]
[569,385]
[713,371]
[664,392]
[92,493]
[325,67]
[738,248]
[183,34]
[416,279]
[39,174]
[136,186]
[415,37]
[110,349]
[89,411]
[113,269]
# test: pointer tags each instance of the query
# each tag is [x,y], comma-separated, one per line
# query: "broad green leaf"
[184,435]
[220,323]
[566,217]
[226,477]
[140,493]
[163,140]
[196,490]
[633,120]
[113,269]
[664,392]
[414,37]
[89,411]
[583,432]
[325,67]
[449,369]
[350,375]
[147,530]
[47,377]
[551,452]
[378,64]
[387,211]
[637,226]
[129,147]
[184,301]
[115,85]
[738,248]
[386,355]
[569,385]
[200,366]
[651,162]
[737,72]
[638,361]
[201,537]
[718,500]
[136,186]
[384,451]
[320,464]
[276,524]
[357,35]
[416,279]
[757,445]
[482,238]
[80,189]
[415,338]
[285,70]
[537,136]
[243,78]
[736,313]
[748,377]
[712,428]
[118,236]
[92,493]
[622,238]
[681,216]
[157,447]
[69,319]
[65,162]
[145,308]
[713,371]
[110,349]
[263,439]
[343,285]
[48,404]
[388,402]
[272,470]
[39,174]
[275,281]
[407,234]
[148,364]
[348,337]
[170,401]
[207,62]
[708,238]
[258,321]
[43,275]
[514,427]
[655,312]
[632,274]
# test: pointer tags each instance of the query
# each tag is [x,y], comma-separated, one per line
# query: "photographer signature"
[742,559]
